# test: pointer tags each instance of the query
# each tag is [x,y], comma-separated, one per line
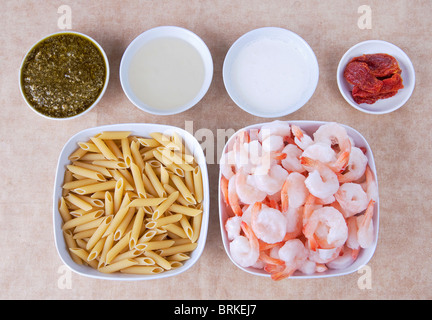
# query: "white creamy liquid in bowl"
[270,75]
[166,73]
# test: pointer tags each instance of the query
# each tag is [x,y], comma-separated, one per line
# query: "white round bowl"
[162,32]
[364,255]
[101,93]
[297,45]
[382,106]
[142,130]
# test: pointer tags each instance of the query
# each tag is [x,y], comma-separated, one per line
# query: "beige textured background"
[401,142]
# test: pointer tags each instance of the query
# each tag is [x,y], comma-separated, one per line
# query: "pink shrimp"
[322,182]
[294,254]
[365,233]
[326,228]
[233,198]
[294,191]
[268,224]
[245,249]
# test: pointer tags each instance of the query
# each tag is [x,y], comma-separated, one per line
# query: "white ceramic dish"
[384,105]
[100,95]
[161,32]
[365,254]
[138,129]
[296,44]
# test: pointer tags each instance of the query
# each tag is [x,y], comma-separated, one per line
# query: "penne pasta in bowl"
[131,202]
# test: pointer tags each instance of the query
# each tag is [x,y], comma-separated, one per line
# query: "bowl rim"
[406,61]
[269,31]
[101,50]
[298,275]
[189,140]
[167,31]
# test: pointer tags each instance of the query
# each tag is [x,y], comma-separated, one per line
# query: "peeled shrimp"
[365,233]
[233,227]
[351,198]
[301,139]
[245,249]
[247,193]
[356,166]
[326,228]
[268,224]
[270,180]
[299,201]
[294,254]
[322,182]
[294,222]
[294,191]
[333,134]
[321,152]
[292,160]
[343,260]
[275,128]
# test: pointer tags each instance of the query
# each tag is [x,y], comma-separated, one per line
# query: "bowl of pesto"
[64,75]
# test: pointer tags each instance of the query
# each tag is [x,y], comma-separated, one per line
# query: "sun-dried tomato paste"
[374,76]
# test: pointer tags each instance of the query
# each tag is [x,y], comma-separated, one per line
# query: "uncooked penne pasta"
[92,188]
[131,204]
[88,147]
[137,177]
[111,164]
[114,149]
[108,154]
[92,174]
[113,135]
[71,243]
[80,203]
[83,219]
[143,270]
[164,140]
[147,202]
[158,259]
[164,221]
[109,203]
[136,228]
[154,181]
[117,266]
[196,226]
[178,249]
[127,155]
[160,210]
[136,155]
[180,185]
[184,210]
[198,184]
[78,183]
[118,194]
[97,235]
[64,210]
[77,154]
[117,248]
[149,142]
[184,222]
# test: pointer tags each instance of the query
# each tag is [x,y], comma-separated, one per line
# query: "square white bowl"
[365,254]
[142,130]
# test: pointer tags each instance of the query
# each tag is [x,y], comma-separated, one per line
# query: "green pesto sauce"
[63,75]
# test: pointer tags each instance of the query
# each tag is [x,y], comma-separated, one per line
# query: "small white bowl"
[102,91]
[382,106]
[297,46]
[163,32]
[143,130]
[365,254]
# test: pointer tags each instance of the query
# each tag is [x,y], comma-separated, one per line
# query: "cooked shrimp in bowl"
[297,201]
